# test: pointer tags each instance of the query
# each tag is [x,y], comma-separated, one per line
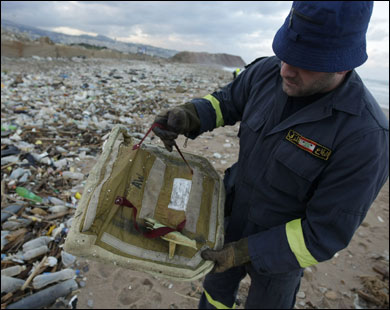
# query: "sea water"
[380,90]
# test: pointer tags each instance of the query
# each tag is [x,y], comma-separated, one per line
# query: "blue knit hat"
[324,36]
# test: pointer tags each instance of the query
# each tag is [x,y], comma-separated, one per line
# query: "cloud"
[244,28]
[72,31]
[211,26]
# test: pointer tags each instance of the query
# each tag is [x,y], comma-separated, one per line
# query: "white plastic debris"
[217,155]
[72,175]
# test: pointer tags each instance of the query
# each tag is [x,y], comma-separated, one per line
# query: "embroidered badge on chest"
[308,145]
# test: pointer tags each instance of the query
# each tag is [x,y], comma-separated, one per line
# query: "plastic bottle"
[9,284]
[67,259]
[69,222]
[24,192]
[48,278]
[72,175]
[51,261]
[17,173]
[57,231]
[8,127]
[24,177]
[35,252]
[58,209]
[13,225]
[4,240]
[12,208]
[56,201]
[45,297]
[37,242]
[12,271]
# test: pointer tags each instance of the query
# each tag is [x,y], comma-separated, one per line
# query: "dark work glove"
[232,255]
[180,120]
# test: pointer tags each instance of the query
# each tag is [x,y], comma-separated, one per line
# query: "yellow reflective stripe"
[216,105]
[217,304]
[297,244]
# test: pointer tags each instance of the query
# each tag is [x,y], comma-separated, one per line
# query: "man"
[236,72]
[313,154]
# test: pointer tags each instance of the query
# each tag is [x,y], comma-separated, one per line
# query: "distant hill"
[97,46]
[34,33]
[206,58]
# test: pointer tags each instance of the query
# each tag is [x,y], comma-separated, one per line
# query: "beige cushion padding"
[84,236]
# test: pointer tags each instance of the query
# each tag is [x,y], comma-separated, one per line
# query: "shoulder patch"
[308,145]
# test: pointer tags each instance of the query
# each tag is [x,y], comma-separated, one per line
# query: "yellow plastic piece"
[174,238]
[50,230]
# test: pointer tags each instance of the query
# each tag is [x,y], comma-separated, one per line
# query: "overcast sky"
[234,27]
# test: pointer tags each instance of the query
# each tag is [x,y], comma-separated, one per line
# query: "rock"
[362,234]
[180,89]
[217,155]
[324,304]
[46,40]
[331,295]
[308,274]
[206,58]
[347,294]
[301,294]
[365,224]
[322,289]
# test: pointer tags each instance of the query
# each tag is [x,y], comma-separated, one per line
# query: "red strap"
[122,201]
[136,146]
[154,233]
[188,165]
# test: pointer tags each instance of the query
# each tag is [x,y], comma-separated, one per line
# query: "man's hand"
[180,120]
[232,255]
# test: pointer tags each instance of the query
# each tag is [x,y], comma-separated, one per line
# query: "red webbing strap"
[136,146]
[154,233]
[122,201]
[188,165]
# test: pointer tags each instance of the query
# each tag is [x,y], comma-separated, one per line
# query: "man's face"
[299,82]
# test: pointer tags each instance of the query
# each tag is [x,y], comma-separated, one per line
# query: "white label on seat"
[180,194]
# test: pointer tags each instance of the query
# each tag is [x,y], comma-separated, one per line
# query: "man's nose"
[287,71]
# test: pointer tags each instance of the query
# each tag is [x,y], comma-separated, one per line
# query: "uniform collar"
[348,97]
[315,111]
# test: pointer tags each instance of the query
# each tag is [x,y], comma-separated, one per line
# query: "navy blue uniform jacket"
[302,186]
